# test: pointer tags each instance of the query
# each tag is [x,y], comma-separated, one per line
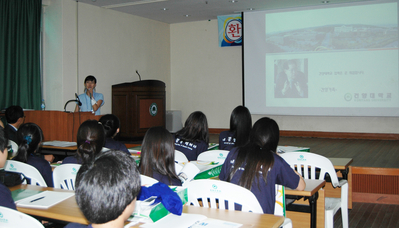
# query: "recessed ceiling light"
[164,9]
[187,15]
[233,1]
[250,9]
[325,2]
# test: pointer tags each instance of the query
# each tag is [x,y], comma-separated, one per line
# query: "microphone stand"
[68,103]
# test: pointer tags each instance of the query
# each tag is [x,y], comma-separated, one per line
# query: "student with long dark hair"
[257,167]
[29,137]
[111,126]
[158,156]
[193,139]
[90,141]
[240,126]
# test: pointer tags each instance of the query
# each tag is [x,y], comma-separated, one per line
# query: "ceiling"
[178,11]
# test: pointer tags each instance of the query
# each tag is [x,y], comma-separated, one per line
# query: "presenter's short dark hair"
[90,78]
[13,113]
[106,186]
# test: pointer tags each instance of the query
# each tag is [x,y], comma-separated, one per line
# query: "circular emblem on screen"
[348,97]
[214,186]
[153,109]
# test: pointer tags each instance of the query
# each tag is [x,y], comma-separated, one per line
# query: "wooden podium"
[58,125]
[139,105]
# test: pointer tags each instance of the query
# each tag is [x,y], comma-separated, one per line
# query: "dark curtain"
[20,53]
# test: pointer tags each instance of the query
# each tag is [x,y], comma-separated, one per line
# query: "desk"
[315,195]
[69,211]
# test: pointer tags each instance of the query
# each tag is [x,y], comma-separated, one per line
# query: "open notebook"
[44,200]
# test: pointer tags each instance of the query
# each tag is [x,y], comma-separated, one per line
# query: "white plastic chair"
[213,155]
[11,218]
[178,168]
[14,148]
[213,190]
[180,157]
[27,170]
[147,181]
[304,162]
[64,176]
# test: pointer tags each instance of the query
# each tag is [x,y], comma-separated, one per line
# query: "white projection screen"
[340,60]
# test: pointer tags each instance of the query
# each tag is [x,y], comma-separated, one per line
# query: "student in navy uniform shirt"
[5,199]
[193,139]
[90,141]
[257,167]
[106,190]
[15,118]
[29,137]
[111,126]
[158,156]
[240,126]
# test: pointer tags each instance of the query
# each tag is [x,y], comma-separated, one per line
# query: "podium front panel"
[151,113]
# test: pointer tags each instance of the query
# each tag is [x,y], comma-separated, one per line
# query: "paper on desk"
[59,143]
[48,199]
[191,221]
[182,221]
[20,194]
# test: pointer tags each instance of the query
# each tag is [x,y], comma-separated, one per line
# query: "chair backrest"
[213,155]
[13,147]
[27,170]
[147,181]
[311,165]
[219,193]
[64,176]
[11,218]
[180,157]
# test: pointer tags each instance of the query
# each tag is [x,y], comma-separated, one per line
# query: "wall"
[208,78]
[110,45]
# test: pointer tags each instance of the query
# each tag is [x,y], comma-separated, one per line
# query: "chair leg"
[329,220]
[344,206]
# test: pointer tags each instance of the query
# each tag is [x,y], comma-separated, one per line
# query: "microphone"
[78,100]
[137,72]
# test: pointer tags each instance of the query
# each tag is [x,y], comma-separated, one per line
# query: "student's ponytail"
[90,140]
[29,137]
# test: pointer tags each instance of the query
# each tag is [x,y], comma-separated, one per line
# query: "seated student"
[106,190]
[240,126]
[5,199]
[158,156]
[257,167]
[111,126]
[193,139]
[29,137]
[15,118]
[90,141]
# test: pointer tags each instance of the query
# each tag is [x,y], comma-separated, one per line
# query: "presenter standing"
[91,101]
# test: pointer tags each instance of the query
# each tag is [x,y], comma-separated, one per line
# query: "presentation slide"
[340,60]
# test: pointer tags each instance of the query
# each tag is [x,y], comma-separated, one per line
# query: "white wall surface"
[110,45]
[208,78]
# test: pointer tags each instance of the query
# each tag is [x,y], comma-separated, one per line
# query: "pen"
[36,199]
